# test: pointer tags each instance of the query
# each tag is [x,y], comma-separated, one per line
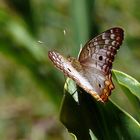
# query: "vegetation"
[31,89]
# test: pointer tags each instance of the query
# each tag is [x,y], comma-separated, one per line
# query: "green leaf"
[131,88]
[129,82]
[88,119]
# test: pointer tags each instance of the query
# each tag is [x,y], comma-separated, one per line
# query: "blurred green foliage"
[31,89]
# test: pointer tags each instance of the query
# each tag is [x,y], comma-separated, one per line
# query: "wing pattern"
[92,70]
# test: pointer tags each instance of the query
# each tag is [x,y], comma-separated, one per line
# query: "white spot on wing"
[95,43]
[53,57]
[111,31]
[107,41]
[104,36]
[113,43]
[112,36]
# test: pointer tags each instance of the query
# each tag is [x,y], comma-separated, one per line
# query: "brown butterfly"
[92,70]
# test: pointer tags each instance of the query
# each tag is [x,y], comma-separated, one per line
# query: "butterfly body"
[92,70]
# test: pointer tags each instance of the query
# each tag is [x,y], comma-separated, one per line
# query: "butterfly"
[92,70]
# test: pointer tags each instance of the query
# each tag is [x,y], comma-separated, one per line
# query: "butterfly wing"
[71,68]
[97,57]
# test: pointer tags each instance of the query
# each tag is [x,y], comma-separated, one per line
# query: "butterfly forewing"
[92,70]
[101,50]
